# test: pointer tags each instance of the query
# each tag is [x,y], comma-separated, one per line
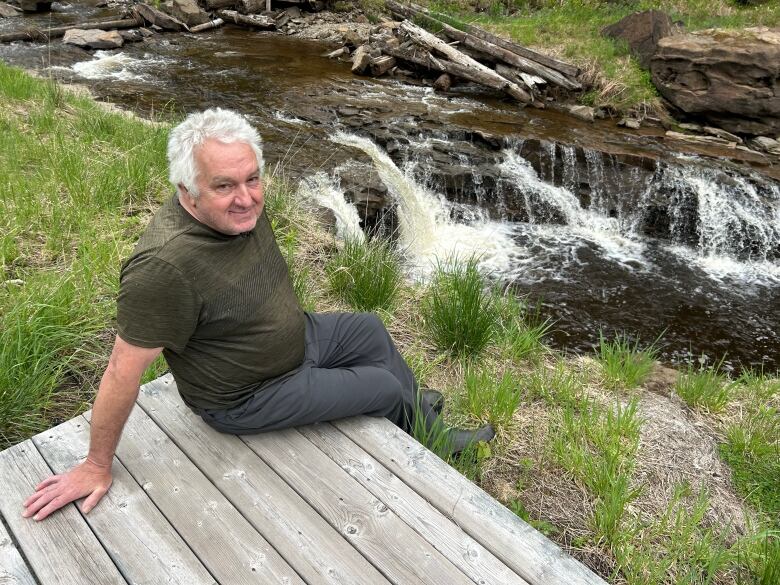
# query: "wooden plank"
[230,548]
[462,550]
[310,545]
[401,554]
[13,569]
[525,550]
[61,548]
[133,531]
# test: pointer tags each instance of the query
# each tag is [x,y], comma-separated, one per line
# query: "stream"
[607,229]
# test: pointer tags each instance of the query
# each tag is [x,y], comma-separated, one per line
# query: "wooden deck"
[356,501]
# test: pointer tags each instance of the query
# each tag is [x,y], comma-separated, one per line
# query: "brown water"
[298,99]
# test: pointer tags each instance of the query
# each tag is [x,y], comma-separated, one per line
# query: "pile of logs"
[472,55]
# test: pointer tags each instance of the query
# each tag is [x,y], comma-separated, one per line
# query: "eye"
[224,188]
[253,181]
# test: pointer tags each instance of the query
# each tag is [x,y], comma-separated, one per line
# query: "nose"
[243,196]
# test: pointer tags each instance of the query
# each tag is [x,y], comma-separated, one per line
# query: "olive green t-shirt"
[222,307]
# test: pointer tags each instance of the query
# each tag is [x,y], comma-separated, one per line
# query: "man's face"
[231,192]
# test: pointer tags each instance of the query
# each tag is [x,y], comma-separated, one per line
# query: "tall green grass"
[365,274]
[623,363]
[704,387]
[459,311]
[492,399]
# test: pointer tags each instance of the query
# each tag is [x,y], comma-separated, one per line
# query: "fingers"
[47,482]
[55,504]
[93,499]
[42,499]
[38,495]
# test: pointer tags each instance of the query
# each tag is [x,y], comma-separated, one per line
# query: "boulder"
[641,31]
[188,12]
[729,78]
[157,17]
[7,11]
[93,38]
[583,112]
[34,6]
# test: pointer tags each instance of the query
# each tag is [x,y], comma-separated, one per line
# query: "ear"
[187,196]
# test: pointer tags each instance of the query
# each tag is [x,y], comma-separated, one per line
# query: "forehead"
[224,158]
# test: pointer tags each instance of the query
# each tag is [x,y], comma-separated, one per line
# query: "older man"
[208,287]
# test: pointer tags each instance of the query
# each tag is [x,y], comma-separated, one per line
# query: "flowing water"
[608,229]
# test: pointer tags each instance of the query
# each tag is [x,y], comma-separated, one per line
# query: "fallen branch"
[473,42]
[253,21]
[207,25]
[46,34]
[554,64]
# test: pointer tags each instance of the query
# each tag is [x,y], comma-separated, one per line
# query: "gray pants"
[350,367]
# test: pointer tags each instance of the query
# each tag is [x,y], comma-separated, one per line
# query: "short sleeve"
[157,305]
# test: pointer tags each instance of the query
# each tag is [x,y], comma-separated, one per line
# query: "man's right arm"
[113,404]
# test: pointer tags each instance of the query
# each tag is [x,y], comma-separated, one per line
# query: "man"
[207,286]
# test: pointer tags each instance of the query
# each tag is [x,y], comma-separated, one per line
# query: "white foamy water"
[323,190]
[120,66]
[427,234]
[580,224]
[282,117]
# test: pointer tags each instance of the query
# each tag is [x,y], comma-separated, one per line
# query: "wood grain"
[13,569]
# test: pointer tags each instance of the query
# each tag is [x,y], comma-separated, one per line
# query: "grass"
[459,311]
[623,363]
[571,29]
[705,387]
[77,185]
[366,274]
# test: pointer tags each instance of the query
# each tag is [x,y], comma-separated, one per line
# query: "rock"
[714,140]
[362,19]
[188,12]
[765,144]
[381,65]
[692,127]
[361,60]
[132,35]
[641,31]
[145,32]
[157,17]
[34,6]
[7,11]
[443,82]
[583,113]
[293,12]
[337,53]
[720,133]
[632,123]
[729,78]
[93,38]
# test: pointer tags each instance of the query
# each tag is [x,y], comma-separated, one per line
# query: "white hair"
[215,123]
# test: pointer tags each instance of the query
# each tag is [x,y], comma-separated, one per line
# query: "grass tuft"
[492,400]
[365,274]
[705,388]
[459,312]
[624,364]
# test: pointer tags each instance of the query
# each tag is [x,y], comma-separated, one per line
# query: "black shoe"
[431,400]
[459,440]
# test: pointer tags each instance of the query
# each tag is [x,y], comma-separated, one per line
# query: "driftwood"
[46,34]
[470,69]
[361,60]
[381,65]
[530,81]
[207,25]
[253,21]
[560,66]
[218,4]
[496,52]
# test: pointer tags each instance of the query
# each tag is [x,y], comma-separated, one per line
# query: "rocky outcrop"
[93,38]
[154,16]
[729,78]
[641,31]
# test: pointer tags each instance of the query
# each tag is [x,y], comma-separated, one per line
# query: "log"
[46,34]
[469,68]
[252,6]
[218,4]
[361,59]
[381,65]
[252,21]
[560,66]
[524,64]
[207,25]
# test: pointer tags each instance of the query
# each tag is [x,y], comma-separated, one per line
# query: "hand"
[86,479]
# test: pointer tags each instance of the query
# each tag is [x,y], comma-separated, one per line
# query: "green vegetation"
[705,387]
[571,456]
[459,313]
[366,274]
[571,29]
[623,363]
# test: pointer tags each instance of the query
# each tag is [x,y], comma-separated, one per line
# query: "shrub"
[459,312]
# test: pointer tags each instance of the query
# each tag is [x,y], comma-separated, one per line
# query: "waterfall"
[427,234]
[324,191]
